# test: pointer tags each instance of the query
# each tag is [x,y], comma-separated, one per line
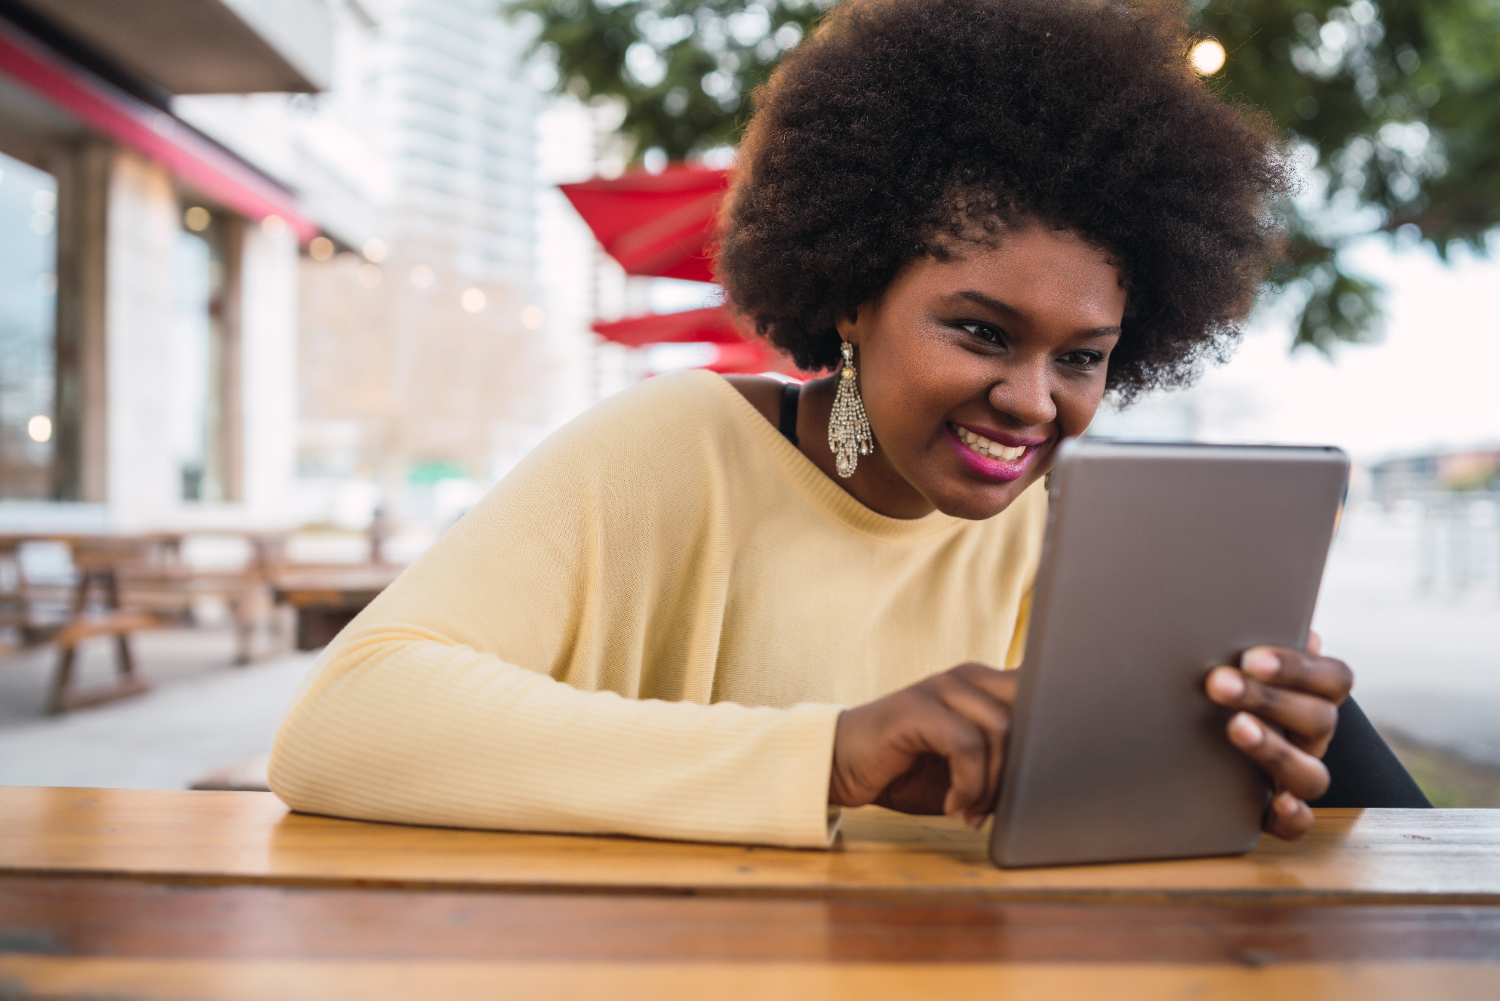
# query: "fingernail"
[1227,683]
[974,822]
[1246,730]
[1260,663]
[1286,804]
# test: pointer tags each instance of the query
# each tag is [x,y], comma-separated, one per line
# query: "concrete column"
[144,483]
[82,419]
[268,373]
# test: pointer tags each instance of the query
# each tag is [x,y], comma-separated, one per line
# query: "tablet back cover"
[1161,562]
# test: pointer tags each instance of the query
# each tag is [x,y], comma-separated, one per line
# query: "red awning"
[655,225]
[712,325]
[746,356]
[193,159]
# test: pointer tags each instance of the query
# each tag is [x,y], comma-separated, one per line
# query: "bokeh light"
[472,300]
[321,248]
[39,428]
[1207,57]
[197,218]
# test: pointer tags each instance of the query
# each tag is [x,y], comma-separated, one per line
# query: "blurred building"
[429,360]
[1429,474]
[148,274]
[191,365]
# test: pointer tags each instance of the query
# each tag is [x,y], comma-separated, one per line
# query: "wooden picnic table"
[115,893]
[327,598]
[123,581]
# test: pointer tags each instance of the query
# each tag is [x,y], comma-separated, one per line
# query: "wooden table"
[111,893]
[327,598]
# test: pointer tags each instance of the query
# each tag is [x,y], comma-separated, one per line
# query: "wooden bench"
[117,623]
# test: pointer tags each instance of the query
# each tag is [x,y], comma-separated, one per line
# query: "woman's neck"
[875,483]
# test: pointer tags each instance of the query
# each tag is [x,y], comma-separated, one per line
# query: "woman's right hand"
[933,747]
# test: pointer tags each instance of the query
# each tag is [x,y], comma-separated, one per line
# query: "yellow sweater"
[649,627]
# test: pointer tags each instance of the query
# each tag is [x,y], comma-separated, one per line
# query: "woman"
[983,214]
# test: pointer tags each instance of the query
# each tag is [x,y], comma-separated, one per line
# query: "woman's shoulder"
[762,392]
[677,403]
[678,421]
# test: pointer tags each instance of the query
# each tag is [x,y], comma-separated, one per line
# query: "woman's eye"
[984,332]
[1083,359]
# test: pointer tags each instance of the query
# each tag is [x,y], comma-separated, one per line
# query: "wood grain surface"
[84,917]
[1431,856]
[294,980]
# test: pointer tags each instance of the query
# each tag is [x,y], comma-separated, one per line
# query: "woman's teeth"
[988,449]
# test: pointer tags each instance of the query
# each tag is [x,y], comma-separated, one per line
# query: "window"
[201,357]
[28,323]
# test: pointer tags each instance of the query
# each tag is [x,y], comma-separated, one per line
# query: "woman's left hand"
[1299,692]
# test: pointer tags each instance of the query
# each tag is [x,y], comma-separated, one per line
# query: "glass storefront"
[200,356]
[28,346]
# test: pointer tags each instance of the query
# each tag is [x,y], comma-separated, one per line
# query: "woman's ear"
[849,327]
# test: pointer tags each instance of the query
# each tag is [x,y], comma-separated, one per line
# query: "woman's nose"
[1025,393]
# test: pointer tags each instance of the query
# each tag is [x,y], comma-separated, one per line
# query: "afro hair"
[901,128]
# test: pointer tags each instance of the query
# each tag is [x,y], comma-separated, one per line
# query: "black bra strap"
[789,396]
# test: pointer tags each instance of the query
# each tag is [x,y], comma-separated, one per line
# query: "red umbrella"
[746,356]
[655,225]
[713,325]
[661,226]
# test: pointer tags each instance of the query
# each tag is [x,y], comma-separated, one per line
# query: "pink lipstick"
[975,448]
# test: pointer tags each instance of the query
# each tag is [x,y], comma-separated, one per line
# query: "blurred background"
[287,285]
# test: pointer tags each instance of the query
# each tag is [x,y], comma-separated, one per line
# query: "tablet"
[1161,562]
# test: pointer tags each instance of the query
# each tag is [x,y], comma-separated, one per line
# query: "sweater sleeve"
[411,728]
[502,681]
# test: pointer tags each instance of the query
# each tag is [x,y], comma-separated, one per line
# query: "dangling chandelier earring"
[849,434]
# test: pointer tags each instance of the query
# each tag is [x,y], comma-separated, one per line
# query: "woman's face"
[975,368]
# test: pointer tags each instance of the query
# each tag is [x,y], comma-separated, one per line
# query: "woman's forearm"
[403,727]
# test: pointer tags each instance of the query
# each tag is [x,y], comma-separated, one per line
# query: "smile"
[985,447]
[991,460]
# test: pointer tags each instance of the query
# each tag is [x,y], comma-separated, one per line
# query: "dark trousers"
[1364,771]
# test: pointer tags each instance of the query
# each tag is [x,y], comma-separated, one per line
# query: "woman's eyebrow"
[1006,309]
[989,302]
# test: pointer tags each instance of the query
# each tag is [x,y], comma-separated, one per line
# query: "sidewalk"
[193,722]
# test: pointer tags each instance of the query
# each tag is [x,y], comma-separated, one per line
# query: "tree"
[1394,106]
[1397,105]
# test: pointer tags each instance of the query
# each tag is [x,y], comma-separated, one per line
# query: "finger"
[1289,817]
[1308,719]
[992,716]
[1323,676]
[1294,770]
[1314,643]
[999,684]
[940,730]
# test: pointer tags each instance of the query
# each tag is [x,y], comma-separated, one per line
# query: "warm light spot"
[1207,57]
[421,276]
[197,218]
[369,275]
[40,428]
[532,318]
[321,248]
[472,300]
[273,226]
[374,250]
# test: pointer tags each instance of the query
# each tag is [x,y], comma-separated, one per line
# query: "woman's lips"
[974,450]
